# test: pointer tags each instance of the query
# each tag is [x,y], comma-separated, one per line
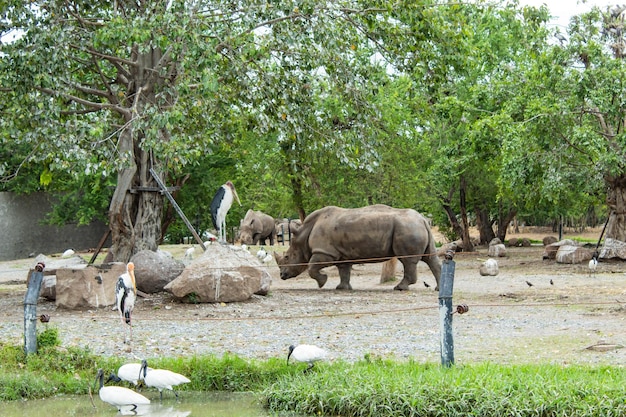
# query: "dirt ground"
[566,316]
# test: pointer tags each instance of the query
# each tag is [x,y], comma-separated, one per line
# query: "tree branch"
[96,106]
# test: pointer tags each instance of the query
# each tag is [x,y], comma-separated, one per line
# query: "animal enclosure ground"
[565,317]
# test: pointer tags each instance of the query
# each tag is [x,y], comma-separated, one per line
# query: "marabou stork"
[125,295]
[307,353]
[120,397]
[161,378]
[219,208]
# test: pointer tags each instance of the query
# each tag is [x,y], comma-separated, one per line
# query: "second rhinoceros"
[344,237]
[256,227]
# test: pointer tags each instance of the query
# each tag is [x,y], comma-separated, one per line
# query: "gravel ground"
[508,321]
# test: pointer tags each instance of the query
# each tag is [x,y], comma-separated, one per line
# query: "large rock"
[154,270]
[550,250]
[49,282]
[88,287]
[548,240]
[572,254]
[497,250]
[221,274]
[489,268]
[613,248]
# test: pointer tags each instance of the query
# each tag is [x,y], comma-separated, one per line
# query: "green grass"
[370,387]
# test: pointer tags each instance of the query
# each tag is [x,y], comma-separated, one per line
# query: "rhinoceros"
[344,237]
[256,227]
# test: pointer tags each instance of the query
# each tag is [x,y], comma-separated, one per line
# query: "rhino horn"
[278,257]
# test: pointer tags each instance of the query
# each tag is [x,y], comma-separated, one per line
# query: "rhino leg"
[344,275]
[434,263]
[316,264]
[410,274]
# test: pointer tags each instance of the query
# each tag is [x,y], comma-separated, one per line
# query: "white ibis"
[593,264]
[261,253]
[68,253]
[125,295]
[219,208]
[306,353]
[130,372]
[161,378]
[189,253]
[120,397]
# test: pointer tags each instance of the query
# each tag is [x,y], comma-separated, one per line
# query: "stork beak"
[236,196]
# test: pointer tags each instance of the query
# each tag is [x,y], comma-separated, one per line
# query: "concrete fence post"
[30,309]
[446,285]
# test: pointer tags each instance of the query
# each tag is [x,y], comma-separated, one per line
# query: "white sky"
[562,10]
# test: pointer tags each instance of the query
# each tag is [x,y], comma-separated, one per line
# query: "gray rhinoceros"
[256,227]
[344,237]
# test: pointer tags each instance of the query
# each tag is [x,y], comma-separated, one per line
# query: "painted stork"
[120,397]
[219,208]
[125,295]
[306,353]
[161,378]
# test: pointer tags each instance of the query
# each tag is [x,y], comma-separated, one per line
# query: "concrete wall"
[22,232]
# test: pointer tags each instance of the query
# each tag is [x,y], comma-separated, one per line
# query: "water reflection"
[191,404]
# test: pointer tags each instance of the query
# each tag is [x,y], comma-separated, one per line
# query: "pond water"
[192,404]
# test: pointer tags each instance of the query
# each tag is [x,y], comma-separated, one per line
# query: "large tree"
[129,89]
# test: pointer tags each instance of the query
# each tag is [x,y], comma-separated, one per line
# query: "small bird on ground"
[530,284]
[307,353]
[551,282]
[593,264]
[189,253]
[161,378]
[124,399]
[261,253]
[267,259]
[68,253]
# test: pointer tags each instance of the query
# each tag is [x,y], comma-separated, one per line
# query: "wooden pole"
[177,208]
[446,285]
[30,309]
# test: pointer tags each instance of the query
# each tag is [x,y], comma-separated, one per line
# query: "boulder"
[489,268]
[526,242]
[513,242]
[49,282]
[49,287]
[550,251]
[154,270]
[221,274]
[88,287]
[572,254]
[548,240]
[497,250]
[495,241]
[613,248]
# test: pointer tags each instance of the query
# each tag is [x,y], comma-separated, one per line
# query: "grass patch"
[384,388]
[370,387]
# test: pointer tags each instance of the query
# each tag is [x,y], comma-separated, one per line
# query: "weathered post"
[30,309]
[446,284]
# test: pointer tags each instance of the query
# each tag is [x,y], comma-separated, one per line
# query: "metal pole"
[446,285]
[30,309]
[177,208]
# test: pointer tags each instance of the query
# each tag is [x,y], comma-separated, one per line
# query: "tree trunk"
[503,222]
[136,209]
[484,226]
[616,200]
[468,246]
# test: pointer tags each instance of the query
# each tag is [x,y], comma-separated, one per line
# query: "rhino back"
[370,232]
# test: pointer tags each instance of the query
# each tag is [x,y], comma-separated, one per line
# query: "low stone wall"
[23,232]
